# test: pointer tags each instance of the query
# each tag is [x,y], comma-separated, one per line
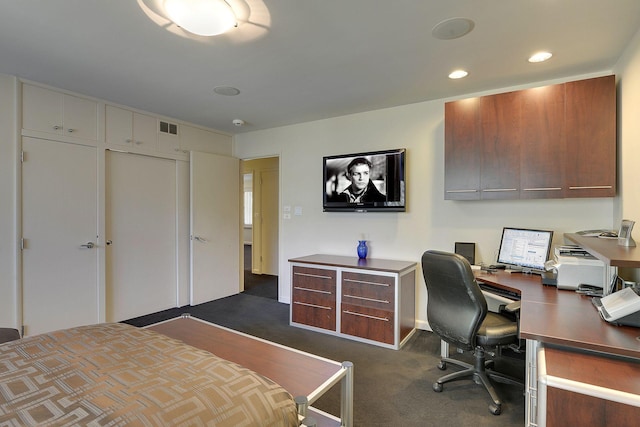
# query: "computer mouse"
[608,234]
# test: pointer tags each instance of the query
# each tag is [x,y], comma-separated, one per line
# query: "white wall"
[628,70]
[430,221]
[8,236]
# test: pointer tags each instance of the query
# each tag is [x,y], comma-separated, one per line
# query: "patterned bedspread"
[115,374]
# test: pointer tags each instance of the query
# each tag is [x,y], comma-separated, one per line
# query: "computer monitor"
[525,249]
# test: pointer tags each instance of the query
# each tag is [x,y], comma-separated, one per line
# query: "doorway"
[261,200]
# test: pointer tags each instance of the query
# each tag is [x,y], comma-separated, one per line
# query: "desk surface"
[563,317]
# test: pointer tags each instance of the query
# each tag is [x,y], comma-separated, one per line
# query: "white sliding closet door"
[59,227]
[141,235]
[215,227]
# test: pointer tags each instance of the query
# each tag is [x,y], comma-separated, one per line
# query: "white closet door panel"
[215,227]
[141,225]
[59,215]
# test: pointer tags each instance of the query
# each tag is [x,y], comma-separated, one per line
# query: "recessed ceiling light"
[540,56]
[226,90]
[452,28]
[458,74]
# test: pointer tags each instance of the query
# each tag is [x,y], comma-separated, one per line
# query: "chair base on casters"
[481,373]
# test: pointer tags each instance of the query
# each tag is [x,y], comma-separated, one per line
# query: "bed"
[115,374]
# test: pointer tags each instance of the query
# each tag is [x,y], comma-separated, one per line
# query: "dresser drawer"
[313,297]
[369,323]
[368,290]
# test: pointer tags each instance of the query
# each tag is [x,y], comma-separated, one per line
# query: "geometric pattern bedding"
[115,374]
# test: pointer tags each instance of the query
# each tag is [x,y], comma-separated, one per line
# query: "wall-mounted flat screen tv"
[365,182]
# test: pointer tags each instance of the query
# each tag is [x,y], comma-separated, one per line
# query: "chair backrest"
[456,306]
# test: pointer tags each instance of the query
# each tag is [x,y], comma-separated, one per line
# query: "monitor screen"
[525,249]
[373,181]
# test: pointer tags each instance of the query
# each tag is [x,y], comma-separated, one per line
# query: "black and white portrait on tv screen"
[357,179]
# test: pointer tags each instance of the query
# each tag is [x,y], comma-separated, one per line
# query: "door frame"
[255,173]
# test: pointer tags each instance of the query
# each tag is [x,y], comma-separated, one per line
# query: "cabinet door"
[145,131]
[542,155]
[119,126]
[42,109]
[80,117]
[501,119]
[591,142]
[462,150]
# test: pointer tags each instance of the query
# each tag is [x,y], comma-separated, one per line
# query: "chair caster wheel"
[442,365]
[437,387]
[495,409]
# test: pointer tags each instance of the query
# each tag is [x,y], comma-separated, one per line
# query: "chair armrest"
[512,307]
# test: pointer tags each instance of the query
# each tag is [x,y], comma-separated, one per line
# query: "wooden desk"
[564,318]
[579,367]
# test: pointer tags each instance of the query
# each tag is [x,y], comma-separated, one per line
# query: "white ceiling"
[301,60]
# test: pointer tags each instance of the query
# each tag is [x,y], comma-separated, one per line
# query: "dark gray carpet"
[391,387]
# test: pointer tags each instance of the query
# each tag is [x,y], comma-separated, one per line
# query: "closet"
[107,224]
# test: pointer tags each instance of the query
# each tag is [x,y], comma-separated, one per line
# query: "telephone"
[621,307]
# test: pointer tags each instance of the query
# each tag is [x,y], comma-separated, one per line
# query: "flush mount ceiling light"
[201,17]
[540,56]
[458,74]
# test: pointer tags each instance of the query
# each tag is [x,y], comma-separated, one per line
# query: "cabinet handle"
[312,275]
[543,189]
[462,191]
[311,290]
[137,142]
[495,190]
[384,319]
[367,299]
[312,305]
[71,130]
[367,283]
[56,127]
[592,187]
[128,140]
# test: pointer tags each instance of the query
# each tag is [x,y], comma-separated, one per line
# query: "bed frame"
[304,375]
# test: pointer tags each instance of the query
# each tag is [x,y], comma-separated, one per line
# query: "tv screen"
[524,248]
[364,182]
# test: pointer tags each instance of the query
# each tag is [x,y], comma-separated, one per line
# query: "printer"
[575,266]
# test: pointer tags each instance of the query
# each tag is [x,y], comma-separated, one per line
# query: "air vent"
[170,128]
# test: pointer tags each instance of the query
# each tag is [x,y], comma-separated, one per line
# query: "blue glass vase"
[362,249]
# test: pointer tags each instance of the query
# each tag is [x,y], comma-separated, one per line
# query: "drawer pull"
[592,187]
[367,299]
[367,283]
[384,319]
[312,305]
[462,191]
[312,275]
[543,189]
[311,290]
[496,190]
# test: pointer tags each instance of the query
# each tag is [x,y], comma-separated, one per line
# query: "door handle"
[88,245]
[200,239]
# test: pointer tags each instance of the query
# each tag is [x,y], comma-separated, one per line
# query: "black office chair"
[457,313]
[8,334]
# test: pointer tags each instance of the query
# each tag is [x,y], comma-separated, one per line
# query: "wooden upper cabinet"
[462,150]
[548,142]
[542,149]
[591,137]
[501,119]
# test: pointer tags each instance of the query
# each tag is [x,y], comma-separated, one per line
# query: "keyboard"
[499,291]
